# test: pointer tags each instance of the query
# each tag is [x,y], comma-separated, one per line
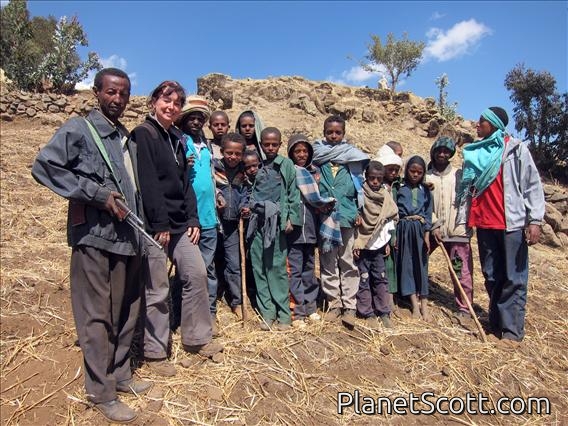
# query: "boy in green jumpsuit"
[275,203]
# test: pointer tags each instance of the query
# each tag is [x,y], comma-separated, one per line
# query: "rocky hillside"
[294,104]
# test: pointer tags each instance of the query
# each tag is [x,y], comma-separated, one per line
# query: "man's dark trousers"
[105,296]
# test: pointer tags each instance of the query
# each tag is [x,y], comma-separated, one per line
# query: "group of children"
[372,227]
[374,230]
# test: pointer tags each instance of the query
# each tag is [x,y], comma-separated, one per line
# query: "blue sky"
[474,43]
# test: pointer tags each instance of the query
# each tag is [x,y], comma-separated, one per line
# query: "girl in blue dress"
[415,211]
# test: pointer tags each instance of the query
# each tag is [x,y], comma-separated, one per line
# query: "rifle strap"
[104,153]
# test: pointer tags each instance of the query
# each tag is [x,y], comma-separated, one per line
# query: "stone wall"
[555,230]
[55,109]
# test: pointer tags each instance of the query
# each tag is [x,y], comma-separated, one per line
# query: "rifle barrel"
[136,223]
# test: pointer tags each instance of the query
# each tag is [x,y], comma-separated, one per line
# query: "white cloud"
[459,40]
[86,84]
[357,76]
[113,61]
[133,80]
[436,15]
[4,3]
[335,80]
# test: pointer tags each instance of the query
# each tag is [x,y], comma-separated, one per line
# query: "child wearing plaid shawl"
[342,167]
[303,239]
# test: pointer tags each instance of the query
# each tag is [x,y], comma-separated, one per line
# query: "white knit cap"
[386,156]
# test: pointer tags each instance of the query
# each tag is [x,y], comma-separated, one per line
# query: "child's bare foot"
[424,309]
[415,306]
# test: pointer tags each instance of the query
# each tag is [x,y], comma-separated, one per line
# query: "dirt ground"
[287,378]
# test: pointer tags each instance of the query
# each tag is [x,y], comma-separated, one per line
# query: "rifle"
[136,222]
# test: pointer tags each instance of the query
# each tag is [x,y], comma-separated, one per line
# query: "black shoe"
[332,315]
[387,323]
[134,387]
[266,325]
[116,411]
[207,350]
[348,317]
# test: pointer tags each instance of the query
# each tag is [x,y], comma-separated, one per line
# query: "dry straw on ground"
[286,378]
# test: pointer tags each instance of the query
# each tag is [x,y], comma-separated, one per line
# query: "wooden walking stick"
[243,269]
[464,297]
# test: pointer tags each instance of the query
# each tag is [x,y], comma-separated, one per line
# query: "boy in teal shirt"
[199,153]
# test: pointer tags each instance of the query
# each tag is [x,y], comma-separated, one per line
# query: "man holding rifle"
[92,164]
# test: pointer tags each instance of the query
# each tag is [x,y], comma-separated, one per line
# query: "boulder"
[423,116]
[433,129]
[366,93]
[275,92]
[430,102]
[344,111]
[553,217]
[209,82]
[548,237]
[413,99]
[61,102]
[557,196]
[389,107]
[51,119]
[130,114]
[329,100]
[6,116]
[563,239]
[402,97]
[409,124]
[31,112]
[383,95]
[373,94]
[308,106]
[564,225]
[368,116]
[224,96]
[324,88]
[319,104]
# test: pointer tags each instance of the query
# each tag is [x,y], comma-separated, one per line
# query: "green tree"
[399,57]
[448,111]
[62,67]
[541,113]
[42,53]
[15,42]
[42,34]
